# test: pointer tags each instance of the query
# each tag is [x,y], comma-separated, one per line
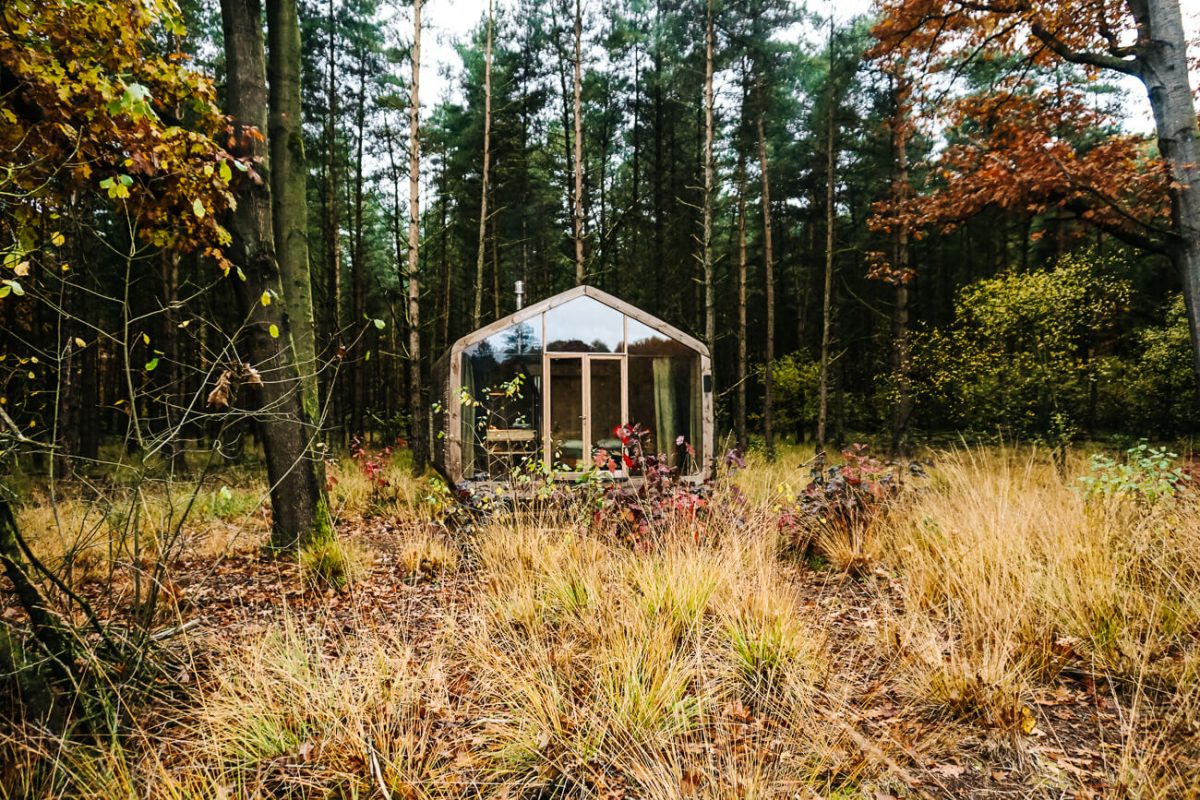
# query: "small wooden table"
[510,447]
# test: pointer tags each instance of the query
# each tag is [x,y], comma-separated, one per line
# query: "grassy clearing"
[988,631]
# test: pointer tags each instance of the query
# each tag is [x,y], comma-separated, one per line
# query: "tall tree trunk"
[289,199]
[289,193]
[742,371]
[446,269]
[495,238]
[769,277]
[301,512]
[578,205]
[1161,49]
[710,298]
[827,297]
[330,224]
[418,435]
[487,154]
[358,401]
[902,403]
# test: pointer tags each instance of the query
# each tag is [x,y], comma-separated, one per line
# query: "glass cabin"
[549,385]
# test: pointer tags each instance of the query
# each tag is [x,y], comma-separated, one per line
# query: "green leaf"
[273,330]
[152,364]
[379,324]
[198,208]
[225,172]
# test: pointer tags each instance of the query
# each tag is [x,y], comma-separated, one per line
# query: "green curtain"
[664,408]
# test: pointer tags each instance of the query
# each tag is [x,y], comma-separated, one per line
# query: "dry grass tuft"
[331,563]
[565,664]
[426,557]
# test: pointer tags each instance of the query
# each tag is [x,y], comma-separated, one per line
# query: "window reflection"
[645,341]
[664,397]
[500,401]
[584,325]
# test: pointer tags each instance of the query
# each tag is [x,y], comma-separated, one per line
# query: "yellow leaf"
[274,331]
[198,208]
[265,299]
[80,342]
[57,239]
[145,338]
[1028,721]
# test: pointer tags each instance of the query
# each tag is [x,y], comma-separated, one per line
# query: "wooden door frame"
[585,373]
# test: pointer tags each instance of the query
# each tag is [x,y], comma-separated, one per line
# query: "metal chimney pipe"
[520,294]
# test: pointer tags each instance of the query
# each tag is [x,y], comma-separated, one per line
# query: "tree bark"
[289,193]
[1161,51]
[418,433]
[827,297]
[330,224]
[301,512]
[902,403]
[710,299]
[358,289]
[740,420]
[769,277]
[483,192]
[578,205]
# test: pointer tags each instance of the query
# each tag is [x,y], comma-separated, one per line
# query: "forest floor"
[991,636]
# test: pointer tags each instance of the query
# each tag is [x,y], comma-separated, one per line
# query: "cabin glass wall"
[665,398]
[501,402]
[440,411]
[584,325]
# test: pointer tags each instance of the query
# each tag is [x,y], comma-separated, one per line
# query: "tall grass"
[1010,576]
[715,665]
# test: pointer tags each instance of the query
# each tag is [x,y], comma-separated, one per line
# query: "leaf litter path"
[1071,752]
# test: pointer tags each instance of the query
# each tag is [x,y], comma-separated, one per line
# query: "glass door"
[565,421]
[584,404]
[606,411]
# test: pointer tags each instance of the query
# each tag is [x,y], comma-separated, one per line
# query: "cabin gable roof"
[542,306]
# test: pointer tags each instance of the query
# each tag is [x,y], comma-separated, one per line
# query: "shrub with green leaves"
[1147,473]
[795,379]
[1024,352]
[1155,393]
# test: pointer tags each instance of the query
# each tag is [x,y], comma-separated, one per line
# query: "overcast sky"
[448,21]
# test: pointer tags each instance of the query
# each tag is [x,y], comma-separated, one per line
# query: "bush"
[1021,353]
[660,502]
[796,382]
[1147,473]
[1154,392]
[839,508]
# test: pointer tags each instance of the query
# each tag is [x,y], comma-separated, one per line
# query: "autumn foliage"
[92,103]
[1030,150]
[1032,138]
